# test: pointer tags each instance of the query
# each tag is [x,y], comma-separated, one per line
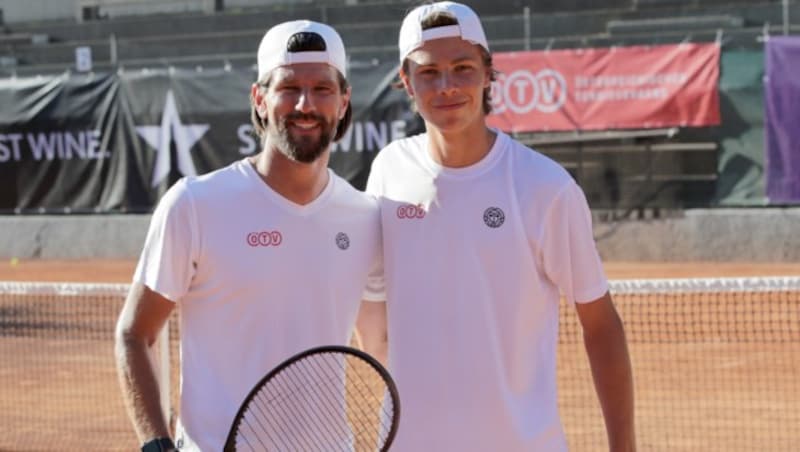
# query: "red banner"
[606,88]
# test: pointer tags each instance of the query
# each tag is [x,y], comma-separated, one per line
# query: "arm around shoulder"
[606,346]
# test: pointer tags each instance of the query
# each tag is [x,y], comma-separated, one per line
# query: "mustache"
[296,116]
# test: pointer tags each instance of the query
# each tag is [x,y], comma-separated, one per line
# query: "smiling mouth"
[450,105]
[305,126]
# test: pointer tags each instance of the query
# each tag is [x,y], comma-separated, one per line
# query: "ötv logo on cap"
[411,212]
[264,238]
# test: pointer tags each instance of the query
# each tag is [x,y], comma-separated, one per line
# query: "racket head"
[325,398]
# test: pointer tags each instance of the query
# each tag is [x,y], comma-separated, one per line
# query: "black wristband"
[159,445]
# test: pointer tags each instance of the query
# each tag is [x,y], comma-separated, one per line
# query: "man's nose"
[305,102]
[446,82]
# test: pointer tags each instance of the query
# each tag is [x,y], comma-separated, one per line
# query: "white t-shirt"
[474,260]
[256,279]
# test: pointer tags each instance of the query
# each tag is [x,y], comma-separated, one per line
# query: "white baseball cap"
[469,28]
[273,52]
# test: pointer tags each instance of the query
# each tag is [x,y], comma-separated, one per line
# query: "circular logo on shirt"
[342,241]
[494,217]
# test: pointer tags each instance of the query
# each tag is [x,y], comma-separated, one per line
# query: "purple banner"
[782,107]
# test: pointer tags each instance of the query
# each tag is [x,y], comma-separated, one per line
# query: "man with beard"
[263,259]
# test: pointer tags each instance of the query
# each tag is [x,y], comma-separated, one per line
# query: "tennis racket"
[330,398]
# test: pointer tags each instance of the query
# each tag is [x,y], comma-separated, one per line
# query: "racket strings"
[362,401]
[290,397]
[263,407]
[365,419]
[333,411]
[319,404]
[258,423]
[369,395]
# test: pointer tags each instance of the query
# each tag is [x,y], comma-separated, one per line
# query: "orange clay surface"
[120,271]
[58,386]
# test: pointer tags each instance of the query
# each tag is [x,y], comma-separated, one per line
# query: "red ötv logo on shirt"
[264,238]
[411,212]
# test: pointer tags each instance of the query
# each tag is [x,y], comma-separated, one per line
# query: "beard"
[306,148]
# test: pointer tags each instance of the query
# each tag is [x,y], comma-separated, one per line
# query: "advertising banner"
[116,142]
[782,113]
[607,88]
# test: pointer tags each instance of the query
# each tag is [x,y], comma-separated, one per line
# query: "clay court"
[709,375]
[120,271]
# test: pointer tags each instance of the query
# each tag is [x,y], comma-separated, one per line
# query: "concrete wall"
[36,10]
[21,11]
[72,236]
[721,235]
[725,235]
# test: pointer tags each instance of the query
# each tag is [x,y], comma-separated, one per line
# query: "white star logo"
[160,137]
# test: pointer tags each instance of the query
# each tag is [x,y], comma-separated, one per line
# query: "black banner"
[116,142]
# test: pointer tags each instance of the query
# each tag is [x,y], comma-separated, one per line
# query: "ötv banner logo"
[523,91]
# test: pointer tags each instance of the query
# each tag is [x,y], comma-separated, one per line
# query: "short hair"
[302,42]
[443,19]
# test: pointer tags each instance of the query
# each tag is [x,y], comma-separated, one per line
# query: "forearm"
[371,325]
[376,346]
[140,388]
[613,380]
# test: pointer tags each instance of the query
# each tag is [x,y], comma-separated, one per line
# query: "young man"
[481,234]
[263,259]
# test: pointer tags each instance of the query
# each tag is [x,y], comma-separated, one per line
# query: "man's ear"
[488,80]
[257,96]
[406,81]
[345,102]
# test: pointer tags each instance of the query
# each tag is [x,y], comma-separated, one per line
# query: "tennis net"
[716,366]
[58,383]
